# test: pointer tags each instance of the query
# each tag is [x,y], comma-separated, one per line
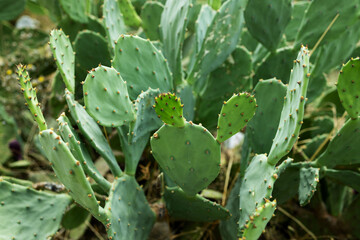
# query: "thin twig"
[283,211]
[95,231]
[323,35]
[106,135]
[325,141]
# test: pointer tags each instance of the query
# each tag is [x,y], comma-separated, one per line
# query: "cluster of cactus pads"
[141,89]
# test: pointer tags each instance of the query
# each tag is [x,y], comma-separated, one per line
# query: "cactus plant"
[192,208]
[114,22]
[118,108]
[261,130]
[64,57]
[267,22]
[309,177]
[30,214]
[197,66]
[173,24]
[151,16]
[144,67]
[76,11]
[178,153]
[347,87]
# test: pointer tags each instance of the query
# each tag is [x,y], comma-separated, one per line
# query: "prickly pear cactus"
[234,115]
[168,107]
[79,151]
[70,172]
[64,56]
[192,208]
[348,88]
[223,34]
[257,187]
[75,10]
[151,17]
[262,127]
[141,65]
[293,110]
[259,220]
[30,96]
[173,25]
[106,97]
[29,214]
[146,118]
[129,214]
[181,153]
[113,21]
[309,178]
[92,132]
[267,21]
[130,16]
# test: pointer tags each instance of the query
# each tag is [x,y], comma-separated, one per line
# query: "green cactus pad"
[75,9]
[141,65]
[70,172]
[319,15]
[277,64]
[114,22]
[99,53]
[92,132]
[234,115]
[173,26]
[30,97]
[168,107]
[205,18]
[64,56]
[29,214]
[262,128]
[130,216]
[231,77]
[257,185]
[259,220]
[345,177]
[293,110]
[309,178]
[79,151]
[146,118]
[130,16]
[192,208]
[190,155]
[348,87]
[185,92]
[297,16]
[343,150]
[151,17]
[228,228]
[106,98]
[223,35]
[267,21]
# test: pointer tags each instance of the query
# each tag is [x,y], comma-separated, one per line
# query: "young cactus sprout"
[30,97]
[168,107]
